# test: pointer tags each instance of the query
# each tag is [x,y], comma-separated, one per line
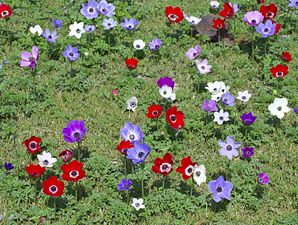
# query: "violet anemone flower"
[263,178]
[248,118]
[209,106]
[165,81]
[193,53]
[229,148]
[74,131]
[155,44]
[50,37]
[129,24]
[247,151]
[8,166]
[138,153]
[106,9]
[109,24]
[57,24]
[30,59]
[293,3]
[295,110]
[220,188]
[253,18]
[71,53]
[267,29]
[89,28]
[125,185]
[132,133]
[89,9]
[228,99]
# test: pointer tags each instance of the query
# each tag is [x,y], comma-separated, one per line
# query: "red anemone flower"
[5,11]
[35,171]
[227,12]
[174,14]
[286,56]
[131,63]
[154,111]
[53,187]
[164,165]
[261,1]
[66,155]
[186,168]
[279,71]
[124,145]
[33,144]
[269,11]
[175,118]
[218,24]
[73,171]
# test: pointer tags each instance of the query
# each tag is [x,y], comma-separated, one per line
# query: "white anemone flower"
[199,174]
[192,20]
[138,203]
[279,107]
[139,44]
[203,67]
[243,96]
[217,87]
[216,97]
[46,159]
[167,92]
[77,29]
[132,103]
[214,4]
[36,30]
[221,117]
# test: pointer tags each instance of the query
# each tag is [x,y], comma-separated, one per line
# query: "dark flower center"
[225,100]
[164,167]
[4,13]
[50,36]
[131,136]
[229,147]
[248,152]
[91,10]
[103,10]
[78,30]
[221,118]
[45,162]
[243,97]
[76,135]
[132,104]
[165,92]
[279,108]
[157,46]
[141,154]
[129,26]
[203,67]
[261,180]
[137,205]
[219,26]
[138,46]
[266,30]
[189,170]
[109,24]
[70,54]
[74,173]
[194,54]
[173,17]
[173,118]
[53,189]
[155,112]
[34,174]
[269,14]
[219,189]
[198,173]
[214,89]
[32,145]
[279,74]
[253,21]
[124,150]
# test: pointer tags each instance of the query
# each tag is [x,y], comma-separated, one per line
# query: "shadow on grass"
[61,203]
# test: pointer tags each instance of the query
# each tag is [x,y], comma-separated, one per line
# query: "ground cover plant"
[148,112]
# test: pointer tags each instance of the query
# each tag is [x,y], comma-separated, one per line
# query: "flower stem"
[192,185]
[142,181]
[218,33]
[125,166]
[55,207]
[253,47]
[79,148]
[127,196]
[163,184]
[77,187]
[35,187]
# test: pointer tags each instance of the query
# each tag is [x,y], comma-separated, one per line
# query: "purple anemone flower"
[89,28]
[267,29]
[50,37]
[295,110]
[30,59]
[8,166]
[109,24]
[129,24]
[193,53]
[293,3]
[220,188]
[155,44]
[229,148]
[253,18]
[71,53]
[166,81]
[131,132]
[228,99]
[138,153]
[263,178]
[124,185]
[74,131]
[248,118]
[57,24]
[247,151]
[209,106]
[106,9]
[89,9]
[234,6]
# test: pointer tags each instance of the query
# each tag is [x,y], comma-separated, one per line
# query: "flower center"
[91,10]
[109,24]
[219,26]
[32,145]
[248,153]
[203,67]
[45,162]
[73,174]
[131,136]
[173,17]
[229,147]
[173,118]
[4,13]
[138,46]
[219,189]
[253,21]
[279,74]
[165,167]
[269,14]
[279,108]
[132,104]
[141,154]
[189,170]
[221,118]
[70,54]
[129,27]
[261,180]
[243,97]
[137,205]
[76,134]
[34,174]
[155,112]
[198,173]
[157,46]
[78,30]
[103,10]
[266,30]
[53,189]
[50,37]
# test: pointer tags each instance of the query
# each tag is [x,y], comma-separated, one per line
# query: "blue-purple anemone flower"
[75,131]
[229,148]
[129,24]
[138,153]
[90,10]
[132,133]
[57,23]
[266,29]
[125,185]
[228,99]
[220,189]
[106,9]
[50,37]
[109,24]
[155,44]
[71,53]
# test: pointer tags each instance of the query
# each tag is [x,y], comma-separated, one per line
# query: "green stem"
[218,36]
[192,186]
[142,181]
[55,208]
[77,188]
[163,184]
[125,166]
[127,197]
[79,151]
[35,187]
[253,47]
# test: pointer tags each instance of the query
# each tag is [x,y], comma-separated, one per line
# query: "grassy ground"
[60,96]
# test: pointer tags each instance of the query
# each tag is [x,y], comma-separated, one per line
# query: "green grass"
[60,96]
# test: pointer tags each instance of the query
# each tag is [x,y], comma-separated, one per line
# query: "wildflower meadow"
[148,112]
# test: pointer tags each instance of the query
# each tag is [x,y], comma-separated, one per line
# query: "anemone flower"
[30,59]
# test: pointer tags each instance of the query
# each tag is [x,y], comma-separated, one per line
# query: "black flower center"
[50,37]
[189,170]
[198,173]
[103,10]
[243,97]
[45,162]
[34,174]
[138,46]
[78,30]
[76,135]
[109,24]
[266,30]
[173,17]
[270,14]
[219,189]
[225,100]
[164,167]
[156,46]
[129,26]
[219,26]
[203,67]
[141,154]
[132,104]
[32,145]
[173,118]
[221,118]
[70,54]
[253,21]
[261,180]
[53,189]
[131,136]
[4,13]
[74,173]
[165,92]
[91,10]
[155,112]
[214,89]
[279,74]
[137,205]
[248,153]
[229,147]
[279,108]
